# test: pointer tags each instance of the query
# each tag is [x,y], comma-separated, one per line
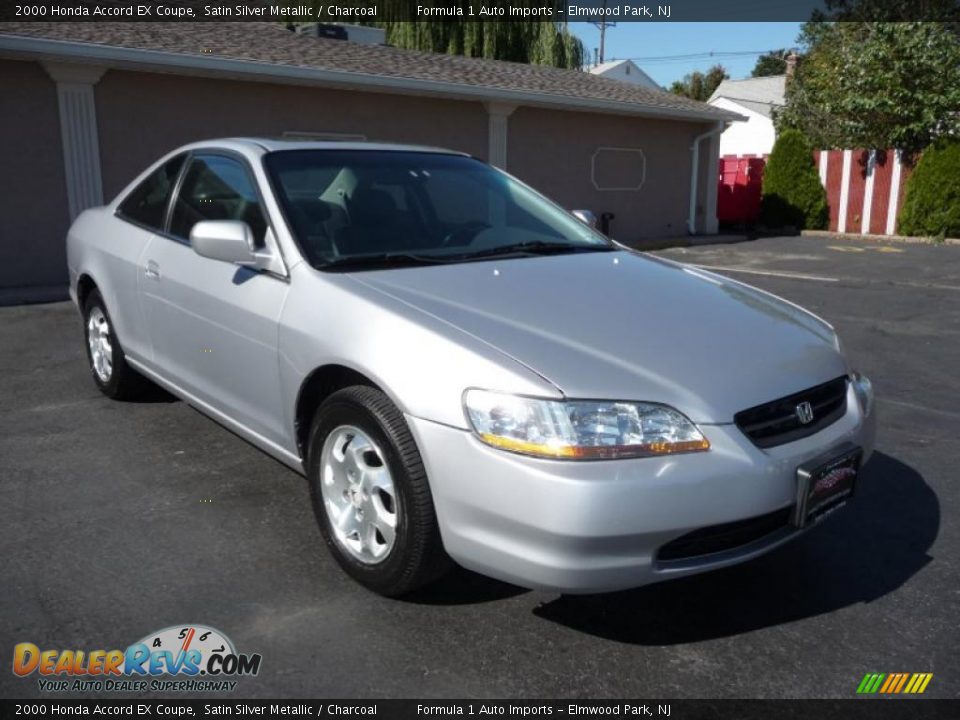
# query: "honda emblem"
[804,413]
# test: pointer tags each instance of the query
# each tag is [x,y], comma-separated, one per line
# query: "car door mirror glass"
[227,240]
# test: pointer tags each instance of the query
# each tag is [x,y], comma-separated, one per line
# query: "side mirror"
[586,217]
[227,240]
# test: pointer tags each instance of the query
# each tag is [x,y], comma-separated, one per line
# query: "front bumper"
[594,526]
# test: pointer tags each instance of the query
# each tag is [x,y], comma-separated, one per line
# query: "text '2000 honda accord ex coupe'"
[465,371]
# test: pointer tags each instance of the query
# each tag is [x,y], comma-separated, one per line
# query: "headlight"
[864,391]
[580,429]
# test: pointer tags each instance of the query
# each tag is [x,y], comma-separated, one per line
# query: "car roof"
[265,145]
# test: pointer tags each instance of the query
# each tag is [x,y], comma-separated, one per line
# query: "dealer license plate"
[822,487]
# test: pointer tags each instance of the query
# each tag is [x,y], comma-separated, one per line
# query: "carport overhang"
[76,67]
[158,61]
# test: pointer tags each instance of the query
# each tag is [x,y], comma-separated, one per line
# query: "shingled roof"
[760,94]
[268,49]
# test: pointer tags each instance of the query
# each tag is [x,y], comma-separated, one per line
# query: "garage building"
[89,105]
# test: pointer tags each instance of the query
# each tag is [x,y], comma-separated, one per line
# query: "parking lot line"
[771,273]
[921,408]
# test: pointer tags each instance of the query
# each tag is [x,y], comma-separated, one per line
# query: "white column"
[78,133]
[894,193]
[824,160]
[868,193]
[497,121]
[844,192]
[711,225]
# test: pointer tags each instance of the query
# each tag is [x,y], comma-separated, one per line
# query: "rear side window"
[147,203]
[217,188]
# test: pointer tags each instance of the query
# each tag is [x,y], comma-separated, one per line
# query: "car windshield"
[369,209]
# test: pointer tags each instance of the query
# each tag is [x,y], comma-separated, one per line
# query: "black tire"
[124,383]
[417,556]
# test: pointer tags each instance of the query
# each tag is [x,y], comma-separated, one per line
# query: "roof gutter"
[172,62]
[694,173]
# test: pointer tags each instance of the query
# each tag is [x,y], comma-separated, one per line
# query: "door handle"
[152,270]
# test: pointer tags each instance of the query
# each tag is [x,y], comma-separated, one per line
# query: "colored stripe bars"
[894,683]
[865,189]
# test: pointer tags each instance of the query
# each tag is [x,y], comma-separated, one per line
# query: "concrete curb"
[879,238]
[683,241]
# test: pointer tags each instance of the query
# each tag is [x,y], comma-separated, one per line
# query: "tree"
[932,202]
[876,85]
[698,85]
[771,63]
[537,43]
[518,40]
[947,11]
[792,195]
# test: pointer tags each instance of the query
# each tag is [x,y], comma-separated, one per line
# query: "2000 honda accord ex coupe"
[463,370]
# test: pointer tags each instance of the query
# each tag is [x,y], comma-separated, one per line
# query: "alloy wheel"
[358,494]
[101,349]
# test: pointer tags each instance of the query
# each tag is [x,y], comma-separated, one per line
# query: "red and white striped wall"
[864,189]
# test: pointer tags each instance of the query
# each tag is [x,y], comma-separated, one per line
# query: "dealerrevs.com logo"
[181,658]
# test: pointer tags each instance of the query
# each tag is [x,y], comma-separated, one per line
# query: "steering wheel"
[474,227]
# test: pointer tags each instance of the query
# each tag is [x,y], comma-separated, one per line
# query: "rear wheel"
[108,365]
[370,493]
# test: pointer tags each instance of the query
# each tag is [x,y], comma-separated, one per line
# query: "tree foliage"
[947,11]
[517,39]
[771,63]
[537,43]
[698,85]
[792,195]
[932,202]
[876,85]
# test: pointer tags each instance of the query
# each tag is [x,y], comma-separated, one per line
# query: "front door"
[216,323]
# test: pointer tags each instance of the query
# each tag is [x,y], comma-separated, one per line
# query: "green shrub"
[792,193]
[932,203]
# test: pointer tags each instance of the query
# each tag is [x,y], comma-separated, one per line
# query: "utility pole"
[603,34]
[603,24]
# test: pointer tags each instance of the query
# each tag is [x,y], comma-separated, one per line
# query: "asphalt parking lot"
[123,518]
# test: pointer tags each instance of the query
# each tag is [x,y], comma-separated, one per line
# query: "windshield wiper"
[401,259]
[535,247]
[370,262]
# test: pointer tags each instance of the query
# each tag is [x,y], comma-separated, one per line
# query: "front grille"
[717,538]
[778,422]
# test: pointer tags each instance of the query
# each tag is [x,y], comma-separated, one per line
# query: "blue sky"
[636,39]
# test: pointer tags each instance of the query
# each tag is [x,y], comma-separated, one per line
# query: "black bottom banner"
[854,709]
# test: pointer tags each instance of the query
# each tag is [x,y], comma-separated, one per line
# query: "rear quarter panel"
[107,250]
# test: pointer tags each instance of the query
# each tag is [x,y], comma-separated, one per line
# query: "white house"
[755,98]
[625,71]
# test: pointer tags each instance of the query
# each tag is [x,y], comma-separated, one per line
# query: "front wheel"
[370,493]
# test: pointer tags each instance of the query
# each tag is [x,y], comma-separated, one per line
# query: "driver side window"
[217,188]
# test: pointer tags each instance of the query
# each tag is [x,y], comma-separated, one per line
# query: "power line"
[700,56]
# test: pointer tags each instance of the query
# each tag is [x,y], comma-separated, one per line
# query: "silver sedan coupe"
[465,371]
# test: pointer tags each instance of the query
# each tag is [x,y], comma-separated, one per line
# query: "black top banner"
[478,709]
[372,11]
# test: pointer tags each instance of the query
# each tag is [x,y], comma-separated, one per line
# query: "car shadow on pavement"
[868,549]
[155,394]
[463,587]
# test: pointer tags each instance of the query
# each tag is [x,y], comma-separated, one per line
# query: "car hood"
[625,326]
